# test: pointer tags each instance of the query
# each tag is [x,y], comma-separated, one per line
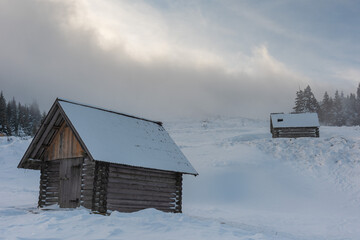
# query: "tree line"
[17,119]
[339,110]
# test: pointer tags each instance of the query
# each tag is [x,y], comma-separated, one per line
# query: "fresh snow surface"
[250,187]
[282,120]
[116,138]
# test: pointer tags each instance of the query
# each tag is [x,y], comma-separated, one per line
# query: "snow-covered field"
[250,187]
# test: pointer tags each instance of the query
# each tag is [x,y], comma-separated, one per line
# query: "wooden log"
[140,203]
[178,207]
[88,181]
[54,180]
[141,173]
[100,186]
[51,198]
[141,192]
[154,198]
[152,188]
[87,192]
[296,136]
[46,131]
[52,184]
[52,189]
[87,198]
[141,181]
[52,194]
[134,171]
[295,132]
[142,178]
[42,188]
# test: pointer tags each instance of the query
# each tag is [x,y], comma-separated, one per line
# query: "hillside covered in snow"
[250,186]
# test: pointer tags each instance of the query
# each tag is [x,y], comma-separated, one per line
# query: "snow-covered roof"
[118,138]
[281,120]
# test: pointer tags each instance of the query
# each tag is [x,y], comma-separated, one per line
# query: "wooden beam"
[44,135]
[23,163]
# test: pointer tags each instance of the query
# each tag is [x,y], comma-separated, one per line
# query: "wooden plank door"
[70,182]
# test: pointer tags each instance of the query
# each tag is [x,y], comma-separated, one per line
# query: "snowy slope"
[250,187]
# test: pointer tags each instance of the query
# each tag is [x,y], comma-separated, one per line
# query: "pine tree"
[357,106]
[299,102]
[349,110]
[337,110]
[12,117]
[34,117]
[310,102]
[23,119]
[325,110]
[3,119]
[8,117]
[18,119]
[305,101]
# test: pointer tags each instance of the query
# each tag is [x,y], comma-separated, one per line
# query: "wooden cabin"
[294,125]
[104,160]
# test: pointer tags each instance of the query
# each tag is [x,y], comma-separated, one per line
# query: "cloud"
[349,74]
[136,59]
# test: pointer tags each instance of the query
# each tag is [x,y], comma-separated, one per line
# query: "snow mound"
[146,224]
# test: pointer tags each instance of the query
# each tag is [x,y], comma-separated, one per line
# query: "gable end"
[38,149]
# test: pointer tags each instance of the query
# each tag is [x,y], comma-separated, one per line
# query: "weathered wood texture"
[87,183]
[99,199]
[131,189]
[64,145]
[35,154]
[49,183]
[70,182]
[295,132]
[104,186]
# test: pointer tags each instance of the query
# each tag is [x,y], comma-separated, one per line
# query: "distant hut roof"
[114,137]
[281,120]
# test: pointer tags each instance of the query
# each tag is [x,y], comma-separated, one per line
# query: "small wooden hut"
[104,160]
[294,125]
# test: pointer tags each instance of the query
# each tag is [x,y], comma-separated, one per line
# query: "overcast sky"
[168,58]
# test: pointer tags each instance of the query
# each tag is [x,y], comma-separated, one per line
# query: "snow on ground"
[250,187]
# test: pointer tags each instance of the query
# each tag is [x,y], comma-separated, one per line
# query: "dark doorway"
[70,182]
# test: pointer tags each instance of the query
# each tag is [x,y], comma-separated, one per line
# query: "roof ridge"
[108,110]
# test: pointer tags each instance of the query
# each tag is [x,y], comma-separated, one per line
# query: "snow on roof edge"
[295,120]
[128,165]
[108,110]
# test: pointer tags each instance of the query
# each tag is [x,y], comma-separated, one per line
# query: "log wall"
[131,189]
[99,200]
[87,183]
[49,183]
[295,132]
[64,145]
[107,186]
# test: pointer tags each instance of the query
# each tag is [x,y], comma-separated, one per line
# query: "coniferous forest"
[339,110]
[17,119]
